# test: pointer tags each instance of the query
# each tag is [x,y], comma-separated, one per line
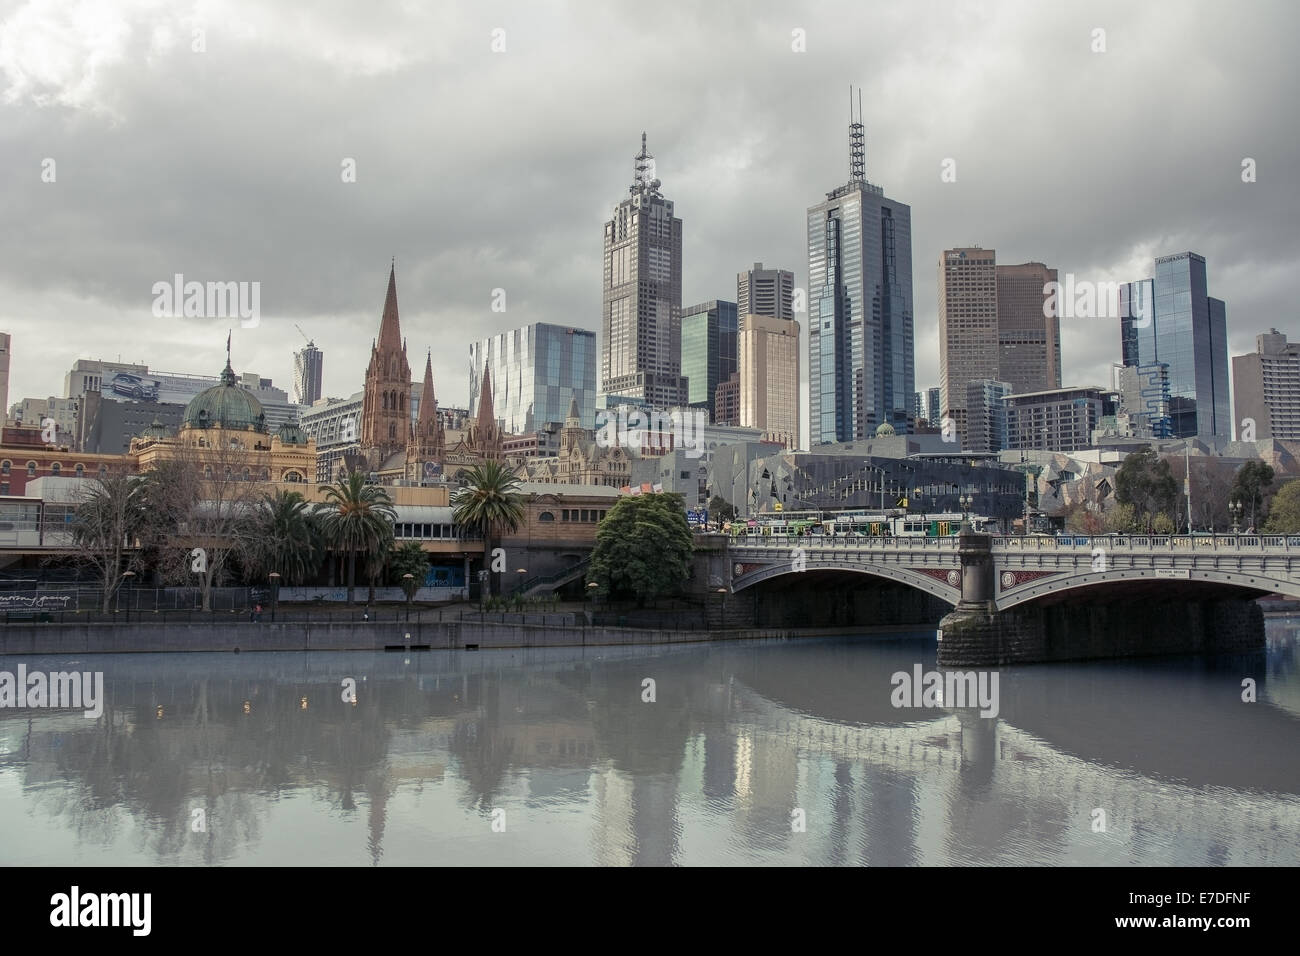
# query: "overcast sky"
[480,170]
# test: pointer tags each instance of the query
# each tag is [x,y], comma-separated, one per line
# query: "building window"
[81,471]
[103,470]
[4,468]
[31,469]
[55,468]
[546,516]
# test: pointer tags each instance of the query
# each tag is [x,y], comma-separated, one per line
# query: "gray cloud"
[482,170]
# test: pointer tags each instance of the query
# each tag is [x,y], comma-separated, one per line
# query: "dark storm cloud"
[482,170]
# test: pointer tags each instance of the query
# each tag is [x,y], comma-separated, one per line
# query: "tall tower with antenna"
[641,300]
[861,368]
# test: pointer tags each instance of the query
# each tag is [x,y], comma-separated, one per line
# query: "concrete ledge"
[343,636]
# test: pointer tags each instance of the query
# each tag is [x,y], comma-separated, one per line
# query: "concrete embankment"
[347,636]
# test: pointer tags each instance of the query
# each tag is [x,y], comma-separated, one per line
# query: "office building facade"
[860,339]
[708,350]
[1054,420]
[1029,341]
[762,291]
[1171,319]
[1266,388]
[535,372]
[769,378]
[986,415]
[308,367]
[968,328]
[641,301]
[994,325]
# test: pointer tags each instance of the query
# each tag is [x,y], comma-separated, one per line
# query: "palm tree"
[283,537]
[356,517]
[408,558]
[489,504]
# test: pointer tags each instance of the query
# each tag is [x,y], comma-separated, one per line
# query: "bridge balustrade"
[1133,542]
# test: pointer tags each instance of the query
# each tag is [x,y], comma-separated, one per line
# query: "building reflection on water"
[740,739]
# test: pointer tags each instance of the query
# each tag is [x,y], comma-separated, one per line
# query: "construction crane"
[310,343]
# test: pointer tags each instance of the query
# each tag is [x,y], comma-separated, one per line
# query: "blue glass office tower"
[1172,320]
[861,369]
[708,349]
[536,371]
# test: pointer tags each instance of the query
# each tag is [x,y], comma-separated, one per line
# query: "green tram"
[896,524]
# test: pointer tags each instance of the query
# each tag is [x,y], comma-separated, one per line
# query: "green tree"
[282,537]
[721,509]
[108,518]
[1284,513]
[1121,519]
[490,505]
[643,546]
[356,518]
[1250,486]
[1161,523]
[1146,483]
[408,558]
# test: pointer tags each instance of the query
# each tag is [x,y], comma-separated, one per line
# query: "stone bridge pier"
[1117,623]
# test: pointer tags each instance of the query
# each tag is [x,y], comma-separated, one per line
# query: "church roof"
[225,406]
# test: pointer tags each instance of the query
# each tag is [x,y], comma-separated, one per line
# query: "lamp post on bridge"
[275,593]
[1235,508]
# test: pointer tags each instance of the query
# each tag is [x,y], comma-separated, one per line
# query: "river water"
[779,752]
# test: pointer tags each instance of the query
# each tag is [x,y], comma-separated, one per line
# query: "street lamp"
[275,593]
[125,575]
[519,591]
[966,501]
[1235,508]
[483,589]
[408,585]
[592,588]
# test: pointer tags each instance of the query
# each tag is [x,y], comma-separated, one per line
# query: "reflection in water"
[262,759]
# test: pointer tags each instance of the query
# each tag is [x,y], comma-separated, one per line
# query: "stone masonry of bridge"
[1012,599]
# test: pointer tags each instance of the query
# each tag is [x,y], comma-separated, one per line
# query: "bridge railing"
[1196,543]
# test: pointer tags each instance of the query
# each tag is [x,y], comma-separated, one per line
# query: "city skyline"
[779,135]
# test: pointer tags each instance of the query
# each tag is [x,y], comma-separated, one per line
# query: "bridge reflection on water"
[740,735]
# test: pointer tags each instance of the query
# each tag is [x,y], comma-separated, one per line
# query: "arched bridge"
[1014,570]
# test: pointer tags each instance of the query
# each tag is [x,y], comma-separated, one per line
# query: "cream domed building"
[224,430]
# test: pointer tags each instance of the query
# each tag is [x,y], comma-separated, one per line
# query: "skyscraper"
[860,344]
[1266,387]
[642,299]
[932,399]
[308,364]
[769,378]
[993,326]
[968,328]
[986,415]
[1029,342]
[767,292]
[1171,319]
[536,371]
[708,350]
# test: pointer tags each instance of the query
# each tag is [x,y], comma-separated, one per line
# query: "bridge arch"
[1248,584]
[933,586]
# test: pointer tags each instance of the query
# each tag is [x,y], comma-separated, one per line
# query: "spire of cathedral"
[487,419]
[390,329]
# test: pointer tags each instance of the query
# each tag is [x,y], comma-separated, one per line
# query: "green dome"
[225,406]
[155,430]
[884,429]
[291,434]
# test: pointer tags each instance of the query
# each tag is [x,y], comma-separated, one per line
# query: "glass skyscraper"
[708,349]
[535,372]
[1172,320]
[861,370]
